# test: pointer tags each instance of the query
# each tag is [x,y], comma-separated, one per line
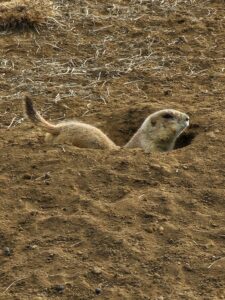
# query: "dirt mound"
[86,224]
[14,13]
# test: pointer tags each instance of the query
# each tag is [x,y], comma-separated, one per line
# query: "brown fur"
[79,134]
[159,131]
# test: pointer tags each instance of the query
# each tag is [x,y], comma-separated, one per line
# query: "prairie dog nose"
[187,121]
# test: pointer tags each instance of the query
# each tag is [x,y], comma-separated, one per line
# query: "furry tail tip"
[29,109]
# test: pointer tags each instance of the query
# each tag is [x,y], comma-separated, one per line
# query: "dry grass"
[110,64]
[94,52]
[25,12]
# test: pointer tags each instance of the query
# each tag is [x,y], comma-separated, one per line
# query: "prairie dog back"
[78,134]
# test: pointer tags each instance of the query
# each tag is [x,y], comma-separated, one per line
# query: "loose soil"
[129,224]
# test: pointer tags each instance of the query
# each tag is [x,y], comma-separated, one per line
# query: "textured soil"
[93,224]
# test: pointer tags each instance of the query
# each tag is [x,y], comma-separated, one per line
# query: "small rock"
[211,134]
[32,247]
[7,251]
[161,229]
[98,291]
[149,229]
[185,167]
[96,270]
[188,268]
[59,288]
[27,176]
[164,170]
[142,197]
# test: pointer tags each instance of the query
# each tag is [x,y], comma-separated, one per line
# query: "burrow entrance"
[186,137]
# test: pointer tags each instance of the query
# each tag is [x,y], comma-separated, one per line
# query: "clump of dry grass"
[25,12]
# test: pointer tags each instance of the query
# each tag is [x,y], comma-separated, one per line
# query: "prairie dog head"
[164,127]
[168,118]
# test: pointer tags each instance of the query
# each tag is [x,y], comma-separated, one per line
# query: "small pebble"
[185,167]
[59,288]
[96,270]
[188,268]
[98,291]
[161,229]
[211,134]
[32,247]
[7,251]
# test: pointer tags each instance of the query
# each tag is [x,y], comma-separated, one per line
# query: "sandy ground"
[91,224]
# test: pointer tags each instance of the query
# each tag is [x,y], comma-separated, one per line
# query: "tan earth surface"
[129,224]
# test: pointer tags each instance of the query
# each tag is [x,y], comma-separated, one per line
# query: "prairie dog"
[159,131]
[78,134]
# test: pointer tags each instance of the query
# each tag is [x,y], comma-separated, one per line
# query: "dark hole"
[187,137]
[184,140]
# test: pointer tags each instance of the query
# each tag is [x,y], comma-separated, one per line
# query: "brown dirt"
[136,226]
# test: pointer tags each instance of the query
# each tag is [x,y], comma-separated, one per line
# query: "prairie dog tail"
[37,119]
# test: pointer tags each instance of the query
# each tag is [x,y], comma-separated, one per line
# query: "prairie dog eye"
[168,116]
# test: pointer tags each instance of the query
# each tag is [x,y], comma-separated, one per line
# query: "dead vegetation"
[131,225]
[23,13]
